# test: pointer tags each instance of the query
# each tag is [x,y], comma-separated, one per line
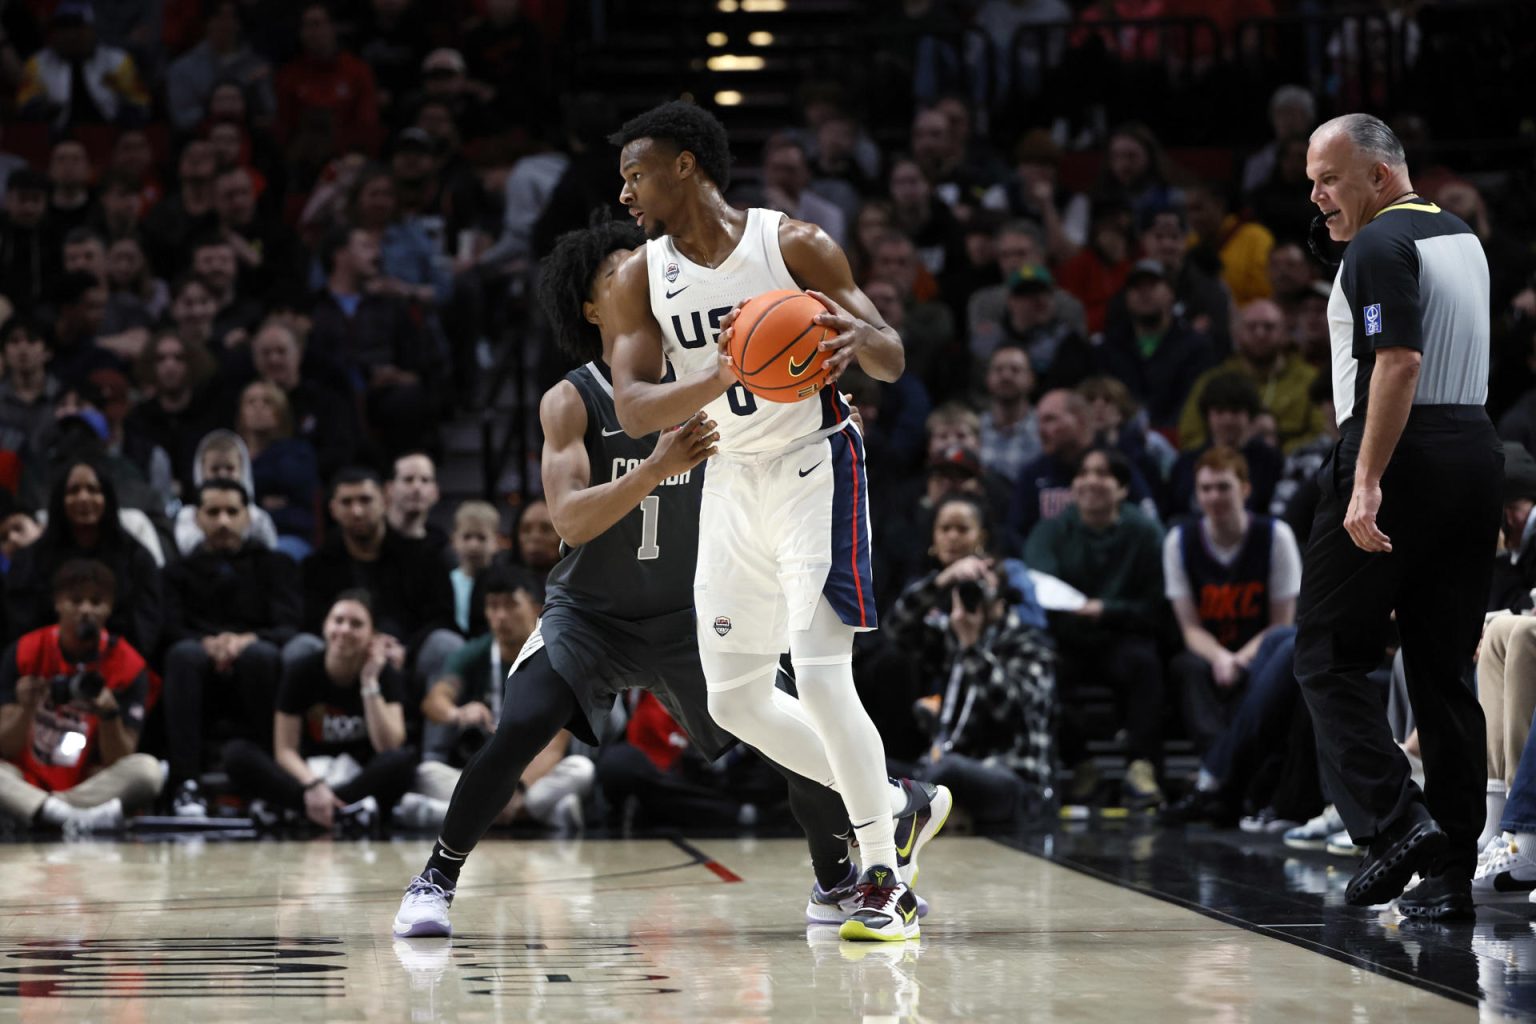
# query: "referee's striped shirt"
[1414,277]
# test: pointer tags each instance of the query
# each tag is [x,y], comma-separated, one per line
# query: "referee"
[1407,523]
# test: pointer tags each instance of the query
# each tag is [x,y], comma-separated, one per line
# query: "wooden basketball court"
[642,930]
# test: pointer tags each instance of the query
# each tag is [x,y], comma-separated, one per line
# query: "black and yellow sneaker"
[927,810]
[887,909]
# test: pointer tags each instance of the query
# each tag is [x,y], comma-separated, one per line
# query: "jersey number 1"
[650,516]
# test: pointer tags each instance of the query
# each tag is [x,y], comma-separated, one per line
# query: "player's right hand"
[679,450]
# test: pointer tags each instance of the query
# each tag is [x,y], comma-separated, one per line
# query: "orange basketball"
[774,346]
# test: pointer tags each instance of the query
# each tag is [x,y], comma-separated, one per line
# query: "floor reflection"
[1258,883]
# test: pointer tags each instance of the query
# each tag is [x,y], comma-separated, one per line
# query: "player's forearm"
[586,513]
[1393,383]
[884,358]
[644,408]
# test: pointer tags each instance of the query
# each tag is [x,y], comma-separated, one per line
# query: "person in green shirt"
[1111,552]
[1282,377]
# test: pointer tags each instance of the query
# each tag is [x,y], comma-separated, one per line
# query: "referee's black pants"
[1440,508]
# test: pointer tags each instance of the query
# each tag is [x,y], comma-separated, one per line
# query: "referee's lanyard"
[498,682]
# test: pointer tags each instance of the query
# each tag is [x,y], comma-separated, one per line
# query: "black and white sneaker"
[887,909]
[423,910]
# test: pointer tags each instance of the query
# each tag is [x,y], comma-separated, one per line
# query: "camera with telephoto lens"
[81,686]
[971,594]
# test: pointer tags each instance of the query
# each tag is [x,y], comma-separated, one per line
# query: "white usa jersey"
[689,301]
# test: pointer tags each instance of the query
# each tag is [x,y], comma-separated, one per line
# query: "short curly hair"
[565,282]
[685,126]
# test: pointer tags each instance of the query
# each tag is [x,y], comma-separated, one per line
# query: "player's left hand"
[1360,520]
[852,335]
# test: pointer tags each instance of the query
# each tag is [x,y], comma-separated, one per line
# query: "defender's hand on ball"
[852,335]
[680,449]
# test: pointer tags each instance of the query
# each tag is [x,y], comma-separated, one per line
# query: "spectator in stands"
[505,48]
[1035,193]
[1134,176]
[410,263]
[410,495]
[1112,553]
[222,56]
[538,545]
[283,467]
[1117,420]
[463,707]
[18,529]
[476,526]
[1015,245]
[108,392]
[901,406]
[939,145]
[1506,688]
[236,314]
[372,336]
[29,243]
[76,80]
[1031,319]
[133,161]
[272,262]
[787,187]
[1282,378]
[122,207]
[326,96]
[170,225]
[83,522]
[1046,484]
[1283,204]
[1290,278]
[180,409]
[231,605]
[961,544]
[339,750]
[69,200]
[1199,299]
[193,311]
[929,325]
[1232,578]
[992,724]
[1009,434]
[1229,404]
[1097,272]
[923,218]
[221,455]
[412,598]
[27,390]
[391,36]
[72,704]
[80,309]
[322,415]
[1227,242]
[874,220]
[1292,115]
[1157,356]
[135,294]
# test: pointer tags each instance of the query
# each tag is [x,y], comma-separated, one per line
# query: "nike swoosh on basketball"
[613,433]
[673,295]
[796,369]
[808,472]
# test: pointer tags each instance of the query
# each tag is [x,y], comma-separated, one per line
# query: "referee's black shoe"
[1439,897]
[1407,845]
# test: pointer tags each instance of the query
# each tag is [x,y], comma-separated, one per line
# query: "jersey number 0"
[741,400]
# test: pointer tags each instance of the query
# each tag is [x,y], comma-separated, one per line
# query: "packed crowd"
[252,260]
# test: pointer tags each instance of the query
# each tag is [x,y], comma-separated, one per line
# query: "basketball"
[774,346]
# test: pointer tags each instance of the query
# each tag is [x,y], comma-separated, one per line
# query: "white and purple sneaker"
[424,909]
[837,905]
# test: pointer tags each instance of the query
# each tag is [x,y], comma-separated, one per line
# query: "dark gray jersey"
[642,566]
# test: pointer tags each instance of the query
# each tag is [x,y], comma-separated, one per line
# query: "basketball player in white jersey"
[784,555]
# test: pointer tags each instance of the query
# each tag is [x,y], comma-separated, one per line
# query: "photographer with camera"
[464,704]
[72,703]
[987,669]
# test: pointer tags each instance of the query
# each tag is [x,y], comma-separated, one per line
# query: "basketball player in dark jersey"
[619,606]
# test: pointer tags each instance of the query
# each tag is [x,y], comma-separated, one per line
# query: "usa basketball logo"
[722,625]
[672,271]
[1373,319]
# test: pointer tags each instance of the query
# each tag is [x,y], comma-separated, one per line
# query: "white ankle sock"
[1496,798]
[898,797]
[55,812]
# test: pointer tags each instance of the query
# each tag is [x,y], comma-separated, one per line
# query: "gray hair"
[1370,135]
[1293,96]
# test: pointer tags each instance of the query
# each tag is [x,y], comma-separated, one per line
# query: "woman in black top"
[339,732]
[83,523]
